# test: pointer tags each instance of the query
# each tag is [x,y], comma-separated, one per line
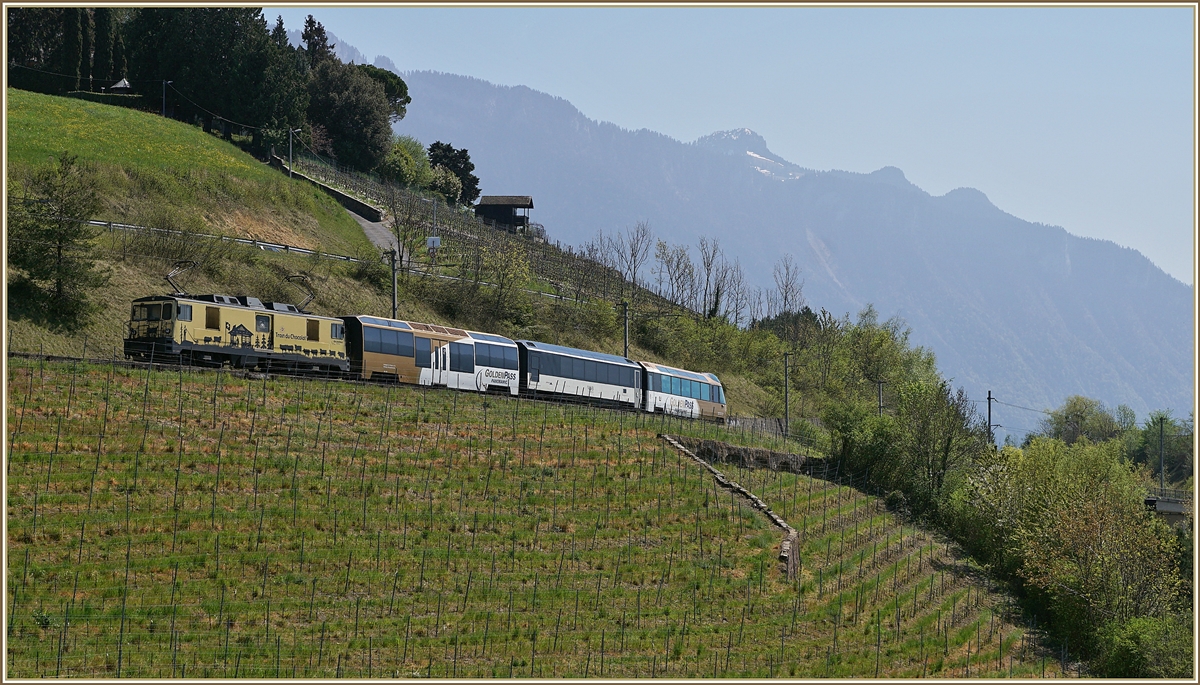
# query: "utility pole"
[625,314]
[290,132]
[1162,472]
[880,384]
[164,103]
[392,255]
[991,437]
[786,388]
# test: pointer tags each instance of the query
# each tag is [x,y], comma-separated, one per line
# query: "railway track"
[347,378]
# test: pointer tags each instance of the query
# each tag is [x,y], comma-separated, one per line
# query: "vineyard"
[176,523]
[560,269]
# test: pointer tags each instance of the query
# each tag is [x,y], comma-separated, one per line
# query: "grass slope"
[180,523]
[160,172]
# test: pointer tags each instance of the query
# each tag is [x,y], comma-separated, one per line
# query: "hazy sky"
[1076,117]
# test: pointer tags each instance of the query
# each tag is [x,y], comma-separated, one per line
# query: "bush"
[1146,648]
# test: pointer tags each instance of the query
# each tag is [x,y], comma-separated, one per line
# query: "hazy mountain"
[1028,311]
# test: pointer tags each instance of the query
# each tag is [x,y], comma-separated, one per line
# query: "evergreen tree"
[119,65]
[35,37]
[457,162]
[102,59]
[87,31]
[394,88]
[352,108]
[279,34]
[317,47]
[51,244]
[72,46]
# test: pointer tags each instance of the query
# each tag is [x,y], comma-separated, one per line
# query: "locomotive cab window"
[314,330]
[185,312]
[212,318]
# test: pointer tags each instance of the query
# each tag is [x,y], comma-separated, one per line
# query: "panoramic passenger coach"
[582,374]
[683,393]
[428,354]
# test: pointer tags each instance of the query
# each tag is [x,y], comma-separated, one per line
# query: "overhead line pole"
[786,389]
[625,314]
[1162,472]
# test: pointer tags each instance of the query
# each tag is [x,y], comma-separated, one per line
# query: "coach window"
[388,343]
[406,344]
[462,358]
[510,358]
[483,355]
[212,318]
[185,312]
[314,330]
[372,341]
[423,353]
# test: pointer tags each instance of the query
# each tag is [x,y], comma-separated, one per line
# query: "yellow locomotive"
[243,332]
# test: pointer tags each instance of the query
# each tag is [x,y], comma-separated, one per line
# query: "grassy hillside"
[160,172]
[201,524]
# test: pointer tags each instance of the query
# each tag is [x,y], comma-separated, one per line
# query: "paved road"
[379,233]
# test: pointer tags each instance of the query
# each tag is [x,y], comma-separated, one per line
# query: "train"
[247,333]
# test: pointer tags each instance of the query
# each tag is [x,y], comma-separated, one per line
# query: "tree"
[317,47]
[72,46]
[120,65]
[88,36]
[103,57]
[407,163]
[458,162]
[35,36]
[394,89]
[632,249]
[509,273]
[351,107]
[446,184]
[50,241]
[788,286]
[1080,417]
[283,103]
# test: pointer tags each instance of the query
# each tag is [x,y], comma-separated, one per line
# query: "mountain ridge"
[1029,311]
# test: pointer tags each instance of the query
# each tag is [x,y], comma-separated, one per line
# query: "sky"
[1080,117]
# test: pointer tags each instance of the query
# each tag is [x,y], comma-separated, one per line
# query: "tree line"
[227,69]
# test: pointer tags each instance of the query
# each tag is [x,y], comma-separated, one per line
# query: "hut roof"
[518,201]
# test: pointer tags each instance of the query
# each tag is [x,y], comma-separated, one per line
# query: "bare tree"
[675,265]
[601,250]
[754,304]
[737,299]
[632,249]
[710,253]
[788,285]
